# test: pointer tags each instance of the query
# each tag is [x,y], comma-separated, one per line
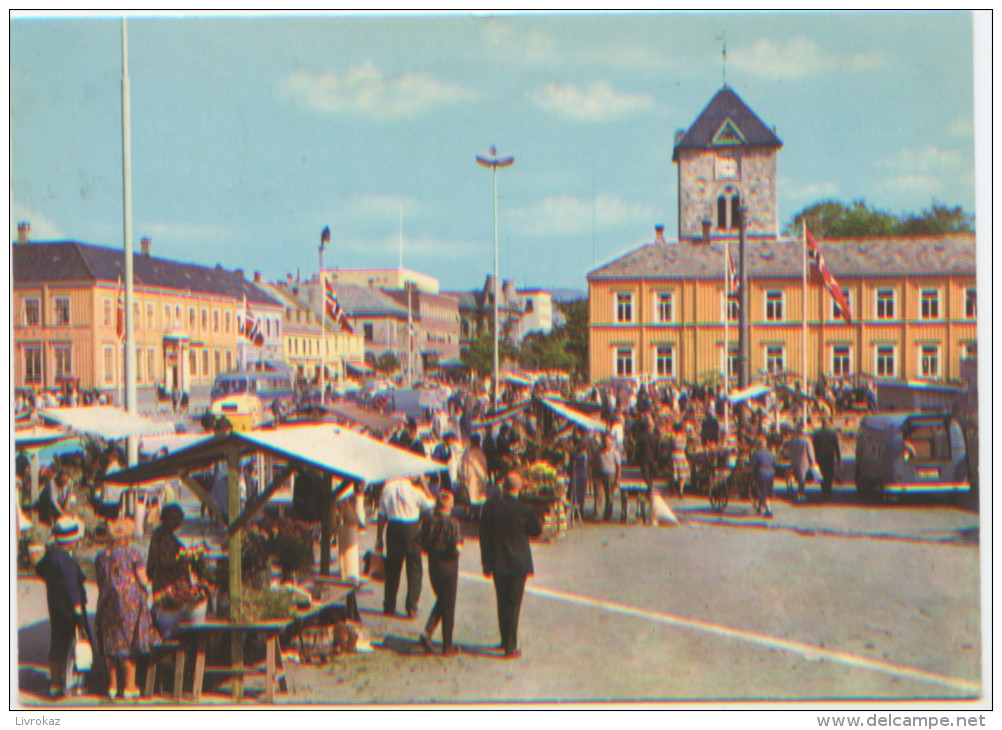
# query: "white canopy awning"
[575,416]
[323,446]
[107,422]
[36,436]
[171,442]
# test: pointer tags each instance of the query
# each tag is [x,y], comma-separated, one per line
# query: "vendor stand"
[339,454]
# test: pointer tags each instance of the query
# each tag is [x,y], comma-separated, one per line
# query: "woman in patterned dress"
[124,625]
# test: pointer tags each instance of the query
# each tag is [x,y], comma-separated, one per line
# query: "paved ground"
[825,602]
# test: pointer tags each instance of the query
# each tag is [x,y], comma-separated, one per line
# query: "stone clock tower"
[726,159]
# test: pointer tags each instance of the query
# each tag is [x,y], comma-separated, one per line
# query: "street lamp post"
[494,162]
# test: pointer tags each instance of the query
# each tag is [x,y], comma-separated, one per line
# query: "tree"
[479,356]
[575,332]
[387,363]
[937,220]
[835,219]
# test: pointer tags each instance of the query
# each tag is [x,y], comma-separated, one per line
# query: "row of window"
[62,364]
[840,364]
[221,321]
[885,305]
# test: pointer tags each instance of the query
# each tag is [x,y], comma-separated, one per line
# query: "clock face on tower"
[727,168]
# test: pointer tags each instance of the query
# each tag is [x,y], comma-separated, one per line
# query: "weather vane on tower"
[722,38]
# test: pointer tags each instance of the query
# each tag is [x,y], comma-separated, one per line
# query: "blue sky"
[249,135]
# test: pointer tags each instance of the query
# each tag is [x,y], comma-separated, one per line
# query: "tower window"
[735,211]
[722,212]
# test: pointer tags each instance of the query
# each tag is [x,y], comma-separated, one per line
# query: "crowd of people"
[657,432]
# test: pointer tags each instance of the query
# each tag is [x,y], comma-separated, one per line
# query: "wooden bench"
[174,650]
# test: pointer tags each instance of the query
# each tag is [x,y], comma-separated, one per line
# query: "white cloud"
[534,47]
[962,127]
[367,91]
[596,102]
[566,215]
[798,58]
[42,229]
[930,158]
[917,185]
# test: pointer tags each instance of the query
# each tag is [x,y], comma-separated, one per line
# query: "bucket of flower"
[543,489]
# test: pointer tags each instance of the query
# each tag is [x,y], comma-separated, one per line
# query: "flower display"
[540,480]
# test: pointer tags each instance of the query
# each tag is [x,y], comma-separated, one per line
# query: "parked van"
[910,453]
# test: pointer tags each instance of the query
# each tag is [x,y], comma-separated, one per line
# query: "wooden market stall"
[342,456]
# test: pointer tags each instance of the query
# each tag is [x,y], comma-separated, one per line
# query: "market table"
[204,632]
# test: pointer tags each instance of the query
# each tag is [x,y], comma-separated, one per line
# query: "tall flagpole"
[803,296]
[727,341]
[322,292]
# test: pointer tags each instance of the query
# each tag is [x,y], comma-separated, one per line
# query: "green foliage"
[479,357]
[575,332]
[835,219]
[387,363]
[266,604]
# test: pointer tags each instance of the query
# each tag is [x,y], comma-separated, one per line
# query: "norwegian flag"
[732,272]
[333,308]
[120,311]
[815,256]
[249,326]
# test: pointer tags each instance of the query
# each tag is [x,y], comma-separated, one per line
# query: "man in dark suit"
[505,528]
[828,453]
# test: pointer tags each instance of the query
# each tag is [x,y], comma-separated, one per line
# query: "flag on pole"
[333,308]
[831,284]
[120,311]
[249,326]
[325,237]
[732,272]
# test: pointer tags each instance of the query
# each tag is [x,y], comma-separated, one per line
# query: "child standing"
[440,538]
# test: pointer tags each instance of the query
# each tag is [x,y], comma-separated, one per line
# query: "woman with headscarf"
[124,625]
[66,597]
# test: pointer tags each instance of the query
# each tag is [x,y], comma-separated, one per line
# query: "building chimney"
[24,232]
[707,227]
[239,272]
[659,233]
[508,290]
[145,245]
[288,279]
[257,277]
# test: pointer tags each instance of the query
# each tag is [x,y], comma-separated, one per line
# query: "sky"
[250,134]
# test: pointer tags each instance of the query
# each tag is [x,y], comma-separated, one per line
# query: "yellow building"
[304,335]
[657,311]
[184,318]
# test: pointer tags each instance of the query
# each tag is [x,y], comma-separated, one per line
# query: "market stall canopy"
[755,390]
[107,422]
[323,446]
[370,419]
[36,436]
[171,442]
[574,416]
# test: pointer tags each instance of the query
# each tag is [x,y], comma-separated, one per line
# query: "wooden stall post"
[233,505]
[236,587]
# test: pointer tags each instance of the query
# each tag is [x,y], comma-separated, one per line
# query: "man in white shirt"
[400,508]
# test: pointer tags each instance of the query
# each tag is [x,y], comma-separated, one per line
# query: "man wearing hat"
[505,529]
[67,599]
